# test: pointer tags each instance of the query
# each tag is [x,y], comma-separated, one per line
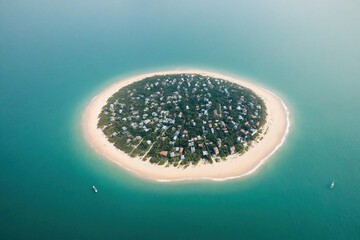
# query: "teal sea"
[56,55]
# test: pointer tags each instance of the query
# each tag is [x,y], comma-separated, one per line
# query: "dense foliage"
[182,118]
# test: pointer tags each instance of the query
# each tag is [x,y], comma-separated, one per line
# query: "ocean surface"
[55,56]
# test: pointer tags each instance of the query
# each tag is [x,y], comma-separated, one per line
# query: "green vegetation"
[179,119]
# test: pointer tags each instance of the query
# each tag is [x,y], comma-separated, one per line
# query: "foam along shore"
[275,132]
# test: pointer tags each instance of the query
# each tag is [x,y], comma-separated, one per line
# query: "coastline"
[233,167]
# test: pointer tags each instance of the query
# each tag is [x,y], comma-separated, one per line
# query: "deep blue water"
[56,55]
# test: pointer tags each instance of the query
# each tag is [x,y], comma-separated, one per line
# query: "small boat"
[332,185]
[94,188]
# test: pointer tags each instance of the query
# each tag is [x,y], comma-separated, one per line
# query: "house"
[176,135]
[232,149]
[164,153]
[244,131]
[254,131]
[205,153]
[216,151]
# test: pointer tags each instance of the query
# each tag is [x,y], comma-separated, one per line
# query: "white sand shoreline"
[235,166]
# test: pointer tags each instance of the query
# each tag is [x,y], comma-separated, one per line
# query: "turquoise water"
[56,55]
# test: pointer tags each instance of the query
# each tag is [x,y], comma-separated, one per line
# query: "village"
[183,118]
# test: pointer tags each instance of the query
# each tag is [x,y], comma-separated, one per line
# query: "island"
[186,124]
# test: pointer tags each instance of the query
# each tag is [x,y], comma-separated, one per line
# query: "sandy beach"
[235,166]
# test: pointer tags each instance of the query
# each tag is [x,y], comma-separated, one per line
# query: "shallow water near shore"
[56,57]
